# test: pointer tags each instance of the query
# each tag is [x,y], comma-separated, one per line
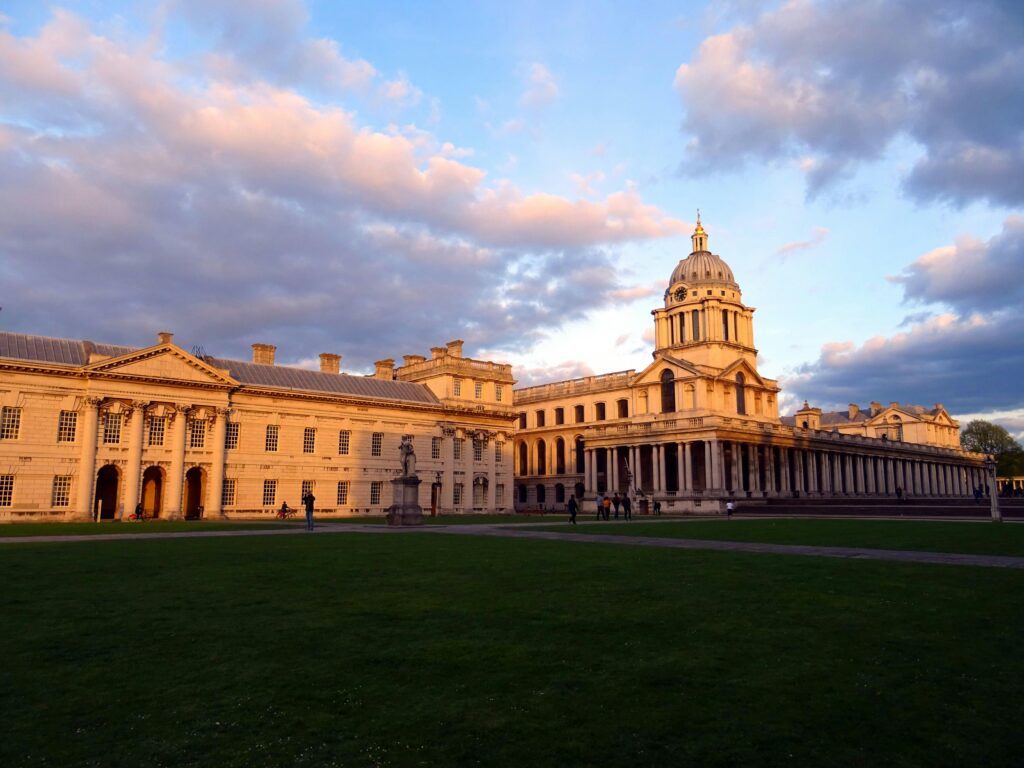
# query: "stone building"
[700,424]
[89,429]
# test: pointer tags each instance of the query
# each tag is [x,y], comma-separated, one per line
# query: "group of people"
[307,501]
[605,507]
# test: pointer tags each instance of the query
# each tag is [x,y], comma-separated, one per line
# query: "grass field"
[359,649]
[981,538]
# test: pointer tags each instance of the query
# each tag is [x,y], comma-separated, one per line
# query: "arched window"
[580,458]
[541,494]
[559,456]
[524,466]
[623,408]
[542,457]
[668,392]
[559,494]
[522,494]
[741,395]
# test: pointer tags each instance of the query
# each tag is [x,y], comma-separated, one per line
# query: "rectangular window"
[231,436]
[271,442]
[309,440]
[522,421]
[6,490]
[60,496]
[499,449]
[499,495]
[479,495]
[157,425]
[344,438]
[376,443]
[457,499]
[478,390]
[457,387]
[457,446]
[269,493]
[540,418]
[435,448]
[375,488]
[725,325]
[67,425]
[559,415]
[307,488]
[197,434]
[682,327]
[342,493]
[695,324]
[478,450]
[579,414]
[498,392]
[227,494]
[10,423]
[111,428]
[599,412]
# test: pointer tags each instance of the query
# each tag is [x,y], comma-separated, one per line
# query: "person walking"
[627,507]
[657,507]
[308,500]
[600,505]
[607,507]
[616,503]
[573,508]
[730,507]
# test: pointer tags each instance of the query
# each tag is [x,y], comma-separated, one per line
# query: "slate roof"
[75,353]
[832,418]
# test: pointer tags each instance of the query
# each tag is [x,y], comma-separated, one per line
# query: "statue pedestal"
[406,509]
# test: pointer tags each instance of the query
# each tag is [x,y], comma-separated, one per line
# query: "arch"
[668,391]
[108,491]
[691,397]
[541,454]
[195,490]
[559,494]
[559,456]
[524,460]
[581,463]
[521,490]
[623,408]
[479,492]
[741,394]
[541,493]
[152,491]
[579,489]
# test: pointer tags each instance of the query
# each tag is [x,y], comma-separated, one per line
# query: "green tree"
[985,437]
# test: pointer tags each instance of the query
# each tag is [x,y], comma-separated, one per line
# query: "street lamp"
[993,489]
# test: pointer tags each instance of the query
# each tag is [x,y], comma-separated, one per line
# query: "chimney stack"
[263,354]
[165,337]
[413,359]
[385,369]
[330,363]
[436,352]
[854,410]
[875,407]
[455,348]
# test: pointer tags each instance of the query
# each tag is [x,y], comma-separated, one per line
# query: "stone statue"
[408,457]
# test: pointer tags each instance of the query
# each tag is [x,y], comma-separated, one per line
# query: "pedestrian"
[600,505]
[616,502]
[284,511]
[627,507]
[607,507]
[573,508]
[899,495]
[730,507]
[308,500]
[657,507]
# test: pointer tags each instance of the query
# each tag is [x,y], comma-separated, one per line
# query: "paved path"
[514,531]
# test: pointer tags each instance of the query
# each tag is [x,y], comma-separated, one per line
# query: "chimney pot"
[854,410]
[455,348]
[385,369]
[263,354]
[165,337]
[436,352]
[413,359]
[330,362]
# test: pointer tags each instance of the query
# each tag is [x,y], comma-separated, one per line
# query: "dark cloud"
[833,83]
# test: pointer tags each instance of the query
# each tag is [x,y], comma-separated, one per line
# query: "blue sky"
[377,178]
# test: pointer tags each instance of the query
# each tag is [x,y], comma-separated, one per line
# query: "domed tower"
[704,320]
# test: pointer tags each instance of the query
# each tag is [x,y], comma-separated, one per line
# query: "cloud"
[634,292]
[832,84]
[817,238]
[149,194]
[541,87]
[568,369]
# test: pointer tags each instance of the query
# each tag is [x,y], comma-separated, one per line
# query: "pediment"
[742,366]
[885,416]
[164,362]
[681,369]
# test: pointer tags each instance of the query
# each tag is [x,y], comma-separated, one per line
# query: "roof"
[75,353]
[832,418]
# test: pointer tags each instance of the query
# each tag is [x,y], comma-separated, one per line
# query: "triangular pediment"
[164,362]
[885,415]
[681,369]
[742,366]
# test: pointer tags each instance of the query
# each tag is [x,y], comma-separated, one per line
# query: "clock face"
[680,293]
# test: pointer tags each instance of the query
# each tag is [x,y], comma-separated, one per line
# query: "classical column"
[754,468]
[448,481]
[686,468]
[889,479]
[711,460]
[588,478]
[634,467]
[784,485]
[656,474]
[216,491]
[176,477]
[87,458]
[133,472]
[613,470]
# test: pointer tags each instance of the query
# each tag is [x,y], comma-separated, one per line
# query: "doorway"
[108,481]
[152,491]
[195,485]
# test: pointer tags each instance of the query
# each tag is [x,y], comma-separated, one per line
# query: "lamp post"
[993,489]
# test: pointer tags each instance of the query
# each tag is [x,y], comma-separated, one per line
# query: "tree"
[985,437]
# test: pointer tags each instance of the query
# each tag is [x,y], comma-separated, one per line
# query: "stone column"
[754,468]
[133,471]
[176,476]
[889,479]
[216,490]
[87,458]
[686,468]
[711,461]
[784,485]
[490,498]
[613,470]
[588,475]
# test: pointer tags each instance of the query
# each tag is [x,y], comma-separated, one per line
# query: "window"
[457,445]
[376,443]
[540,418]
[271,442]
[342,492]
[197,434]
[67,424]
[111,428]
[269,493]
[10,424]
[579,414]
[309,440]
[559,415]
[435,448]
[344,437]
[227,494]
[682,326]
[499,449]
[623,406]
[497,392]
[478,449]
[522,421]
[479,493]
[599,411]
[60,496]
[725,325]
[457,387]
[6,490]
[478,390]
[375,488]
[668,391]
[307,488]
[499,495]
[695,324]
[231,436]
[157,427]
[457,499]
[741,399]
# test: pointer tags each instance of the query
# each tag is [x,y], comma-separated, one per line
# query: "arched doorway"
[152,491]
[108,482]
[195,486]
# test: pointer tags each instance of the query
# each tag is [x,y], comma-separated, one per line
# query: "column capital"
[93,402]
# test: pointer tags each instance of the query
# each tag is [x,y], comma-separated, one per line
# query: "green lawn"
[930,536]
[148,526]
[438,650]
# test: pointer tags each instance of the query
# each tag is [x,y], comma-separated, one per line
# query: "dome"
[703,267]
